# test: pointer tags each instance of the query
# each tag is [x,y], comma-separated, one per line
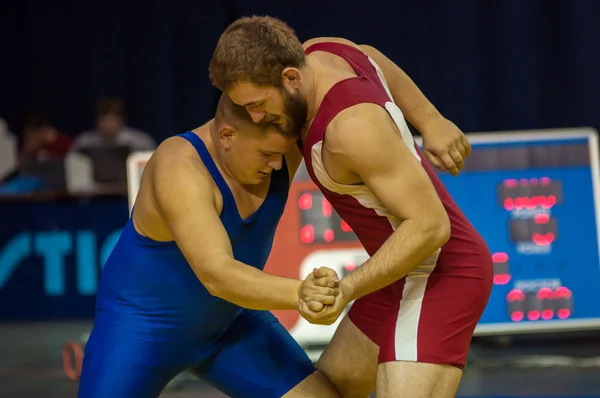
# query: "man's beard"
[296,111]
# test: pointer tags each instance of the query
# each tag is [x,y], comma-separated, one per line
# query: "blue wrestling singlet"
[154,319]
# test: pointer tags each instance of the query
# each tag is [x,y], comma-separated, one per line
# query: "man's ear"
[227,134]
[291,78]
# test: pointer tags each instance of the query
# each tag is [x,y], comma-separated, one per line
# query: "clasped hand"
[320,299]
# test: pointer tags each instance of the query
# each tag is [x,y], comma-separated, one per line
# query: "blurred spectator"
[111,130]
[41,139]
[8,151]
[41,162]
[108,146]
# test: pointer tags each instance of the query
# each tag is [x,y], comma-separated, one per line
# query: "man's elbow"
[438,229]
[213,286]
[212,282]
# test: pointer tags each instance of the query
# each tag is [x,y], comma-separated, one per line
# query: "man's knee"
[350,361]
[315,385]
[417,380]
[352,379]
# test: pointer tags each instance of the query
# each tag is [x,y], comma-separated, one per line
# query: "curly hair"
[255,49]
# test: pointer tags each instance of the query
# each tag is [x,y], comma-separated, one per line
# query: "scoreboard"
[534,199]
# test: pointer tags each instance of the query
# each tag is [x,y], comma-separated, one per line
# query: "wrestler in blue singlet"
[154,319]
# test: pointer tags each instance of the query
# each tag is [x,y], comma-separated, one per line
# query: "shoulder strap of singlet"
[364,88]
[358,60]
[341,96]
[208,161]
[280,179]
[331,47]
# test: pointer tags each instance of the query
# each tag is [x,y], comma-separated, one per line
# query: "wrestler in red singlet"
[426,316]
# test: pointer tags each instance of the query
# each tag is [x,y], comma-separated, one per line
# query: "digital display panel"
[319,223]
[532,198]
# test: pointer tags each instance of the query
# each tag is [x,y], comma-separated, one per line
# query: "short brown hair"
[236,115]
[229,112]
[255,49]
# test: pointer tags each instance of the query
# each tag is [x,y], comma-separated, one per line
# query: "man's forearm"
[251,288]
[417,109]
[406,248]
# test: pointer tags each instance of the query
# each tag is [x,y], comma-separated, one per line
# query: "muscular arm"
[184,195]
[417,109]
[364,141]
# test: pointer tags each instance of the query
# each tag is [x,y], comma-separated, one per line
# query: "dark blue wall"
[488,65]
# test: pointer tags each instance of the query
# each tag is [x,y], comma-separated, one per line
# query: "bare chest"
[247,199]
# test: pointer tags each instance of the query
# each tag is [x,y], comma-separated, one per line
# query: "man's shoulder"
[353,125]
[176,168]
[176,152]
[174,180]
[358,116]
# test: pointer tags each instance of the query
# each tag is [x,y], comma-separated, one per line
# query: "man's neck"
[311,90]
[209,133]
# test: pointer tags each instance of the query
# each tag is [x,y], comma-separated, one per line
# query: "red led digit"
[328,235]
[305,201]
[345,227]
[543,239]
[326,208]
[545,293]
[499,257]
[502,279]
[549,202]
[563,292]
[534,315]
[517,316]
[547,314]
[307,234]
[501,272]
[350,267]
[515,295]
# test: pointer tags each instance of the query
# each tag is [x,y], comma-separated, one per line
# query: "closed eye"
[254,105]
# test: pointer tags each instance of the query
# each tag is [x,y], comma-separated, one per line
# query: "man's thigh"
[120,363]
[259,358]
[425,341]
[434,320]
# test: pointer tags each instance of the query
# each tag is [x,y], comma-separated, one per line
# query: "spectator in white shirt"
[112,131]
